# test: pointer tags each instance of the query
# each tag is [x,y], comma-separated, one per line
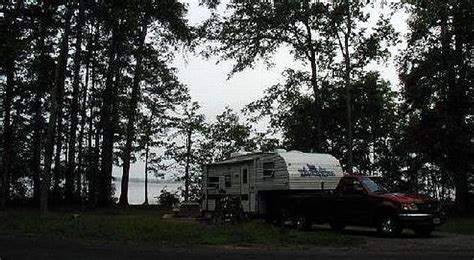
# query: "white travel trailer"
[255,176]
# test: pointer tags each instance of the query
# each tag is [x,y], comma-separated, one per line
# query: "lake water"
[136,191]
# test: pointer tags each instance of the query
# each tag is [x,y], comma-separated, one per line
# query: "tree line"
[79,77]
[89,84]
[420,137]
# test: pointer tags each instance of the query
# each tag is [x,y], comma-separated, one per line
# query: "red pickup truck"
[361,201]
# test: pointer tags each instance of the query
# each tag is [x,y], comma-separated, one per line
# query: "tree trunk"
[94,151]
[347,62]
[56,94]
[70,172]
[317,103]
[314,85]
[38,122]
[188,161]
[10,59]
[80,153]
[95,173]
[132,110]
[59,145]
[36,143]
[459,104]
[107,120]
[7,130]
[147,151]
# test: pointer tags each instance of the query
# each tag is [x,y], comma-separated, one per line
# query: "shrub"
[168,199]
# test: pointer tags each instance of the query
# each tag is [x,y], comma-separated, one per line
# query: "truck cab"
[361,201]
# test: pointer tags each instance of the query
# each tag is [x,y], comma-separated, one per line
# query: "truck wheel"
[281,218]
[337,226]
[302,223]
[424,231]
[388,226]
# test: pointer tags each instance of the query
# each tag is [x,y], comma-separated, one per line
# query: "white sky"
[208,84]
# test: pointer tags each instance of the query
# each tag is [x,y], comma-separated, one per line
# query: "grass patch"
[149,227]
[459,225]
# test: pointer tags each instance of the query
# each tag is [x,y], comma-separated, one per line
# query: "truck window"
[373,186]
[228,181]
[268,169]
[351,187]
[244,176]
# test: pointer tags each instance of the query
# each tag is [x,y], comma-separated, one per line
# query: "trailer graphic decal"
[309,170]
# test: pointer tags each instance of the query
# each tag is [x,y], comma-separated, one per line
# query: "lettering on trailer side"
[310,170]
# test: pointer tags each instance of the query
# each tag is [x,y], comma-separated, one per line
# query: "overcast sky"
[208,84]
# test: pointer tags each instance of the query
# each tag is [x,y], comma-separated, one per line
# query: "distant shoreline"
[149,180]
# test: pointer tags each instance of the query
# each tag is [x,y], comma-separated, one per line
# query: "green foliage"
[437,87]
[228,135]
[31,41]
[291,112]
[420,138]
[187,150]
[269,27]
[167,199]
[327,39]
[197,142]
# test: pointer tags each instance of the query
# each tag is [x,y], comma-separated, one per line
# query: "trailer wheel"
[389,226]
[337,226]
[302,223]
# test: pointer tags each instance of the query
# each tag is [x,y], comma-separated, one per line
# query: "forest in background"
[90,84]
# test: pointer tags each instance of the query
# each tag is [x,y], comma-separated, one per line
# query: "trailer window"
[228,181]
[268,169]
[213,182]
[244,176]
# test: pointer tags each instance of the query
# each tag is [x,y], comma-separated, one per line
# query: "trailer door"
[244,187]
